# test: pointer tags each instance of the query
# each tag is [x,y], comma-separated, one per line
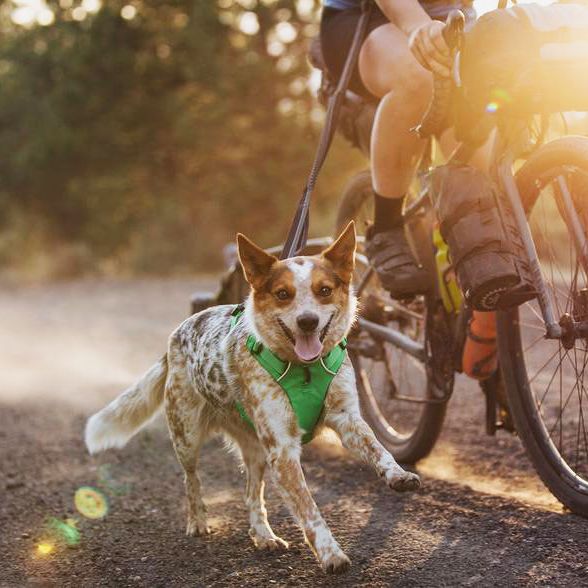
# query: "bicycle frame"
[554,329]
[503,159]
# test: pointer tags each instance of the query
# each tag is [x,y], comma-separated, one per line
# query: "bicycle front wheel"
[545,379]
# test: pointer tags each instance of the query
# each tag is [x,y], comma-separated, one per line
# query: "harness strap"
[305,385]
[298,233]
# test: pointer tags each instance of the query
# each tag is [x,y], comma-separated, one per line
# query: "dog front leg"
[285,466]
[358,438]
[342,414]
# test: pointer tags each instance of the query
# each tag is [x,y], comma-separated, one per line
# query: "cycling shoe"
[390,255]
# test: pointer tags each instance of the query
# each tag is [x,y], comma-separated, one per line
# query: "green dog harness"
[306,385]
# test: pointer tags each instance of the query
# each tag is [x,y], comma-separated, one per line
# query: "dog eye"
[282,294]
[325,291]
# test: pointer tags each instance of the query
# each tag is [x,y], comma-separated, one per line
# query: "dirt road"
[482,518]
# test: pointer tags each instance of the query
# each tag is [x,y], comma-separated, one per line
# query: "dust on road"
[482,518]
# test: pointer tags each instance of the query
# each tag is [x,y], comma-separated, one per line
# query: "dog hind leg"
[185,410]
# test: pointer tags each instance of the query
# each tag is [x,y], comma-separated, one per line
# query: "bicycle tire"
[356,196]
[528,414]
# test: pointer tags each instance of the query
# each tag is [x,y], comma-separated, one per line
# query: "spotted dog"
[300,309]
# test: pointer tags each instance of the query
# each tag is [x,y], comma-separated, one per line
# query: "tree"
[152,132]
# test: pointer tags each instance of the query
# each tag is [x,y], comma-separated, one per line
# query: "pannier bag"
[485,247]
[527,59]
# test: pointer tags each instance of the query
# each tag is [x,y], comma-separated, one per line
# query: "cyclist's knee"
[416,88]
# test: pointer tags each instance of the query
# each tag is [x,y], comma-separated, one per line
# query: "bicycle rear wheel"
[397,393]
[546,383]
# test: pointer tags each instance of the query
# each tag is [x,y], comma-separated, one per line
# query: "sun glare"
[248,23]
[128,12]
[483,6]
[44,548]
[27,13]
[30,12]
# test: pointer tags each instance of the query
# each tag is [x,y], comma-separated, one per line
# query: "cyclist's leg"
[390,72]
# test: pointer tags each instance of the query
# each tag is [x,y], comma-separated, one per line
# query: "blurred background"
[138,137]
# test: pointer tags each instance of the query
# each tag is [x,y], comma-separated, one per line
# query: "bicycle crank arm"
[394,337]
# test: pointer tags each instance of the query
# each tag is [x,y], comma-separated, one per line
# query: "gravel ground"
[481,519]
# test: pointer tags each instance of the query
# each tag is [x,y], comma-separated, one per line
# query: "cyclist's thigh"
[386,64]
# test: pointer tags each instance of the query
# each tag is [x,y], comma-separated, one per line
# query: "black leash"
[298,233]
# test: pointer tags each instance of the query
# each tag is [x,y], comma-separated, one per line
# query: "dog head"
[300,307]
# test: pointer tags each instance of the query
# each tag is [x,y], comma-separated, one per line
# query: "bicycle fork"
[566,329]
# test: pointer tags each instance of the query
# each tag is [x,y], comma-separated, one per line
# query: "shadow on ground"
[445,535]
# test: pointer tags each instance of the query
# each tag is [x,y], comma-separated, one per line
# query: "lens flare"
[498,99]
[45,548]
[91,503]
[66,530]
[107,481]
[500,96]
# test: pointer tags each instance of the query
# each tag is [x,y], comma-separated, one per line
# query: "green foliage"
[148,142]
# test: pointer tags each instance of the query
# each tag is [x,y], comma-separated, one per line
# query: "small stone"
[14,484]
[473,580]
[144,558]
[25,535]
[136,578]
[118,570]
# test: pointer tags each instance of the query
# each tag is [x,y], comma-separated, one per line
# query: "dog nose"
[307,321]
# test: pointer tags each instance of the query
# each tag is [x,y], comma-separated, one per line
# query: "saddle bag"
[485,247]
[527,59]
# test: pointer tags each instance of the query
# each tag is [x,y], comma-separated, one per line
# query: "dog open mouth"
[307,346]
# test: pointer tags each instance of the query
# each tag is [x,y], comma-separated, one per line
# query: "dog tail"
[117,422]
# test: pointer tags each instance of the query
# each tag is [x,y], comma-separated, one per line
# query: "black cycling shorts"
[338,29]
[337,32]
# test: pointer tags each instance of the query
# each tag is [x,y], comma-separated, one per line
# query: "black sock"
[388,213]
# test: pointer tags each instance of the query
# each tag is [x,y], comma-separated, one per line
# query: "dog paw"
[403,481]
[336,564]
[196,528]
[269,543]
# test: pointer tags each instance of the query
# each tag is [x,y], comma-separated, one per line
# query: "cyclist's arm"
[407,15]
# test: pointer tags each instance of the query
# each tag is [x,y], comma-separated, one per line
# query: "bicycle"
[406,354]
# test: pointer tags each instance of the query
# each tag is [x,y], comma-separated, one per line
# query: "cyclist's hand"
[428,46]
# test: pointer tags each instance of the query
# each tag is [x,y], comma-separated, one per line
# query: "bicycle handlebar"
[434,119]
[453,29]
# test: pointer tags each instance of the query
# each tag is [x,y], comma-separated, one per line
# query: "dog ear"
[256,263]
[342,253]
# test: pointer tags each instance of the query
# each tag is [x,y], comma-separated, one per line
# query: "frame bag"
[486,250]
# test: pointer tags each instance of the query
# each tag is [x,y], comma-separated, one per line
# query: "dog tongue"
[308,347]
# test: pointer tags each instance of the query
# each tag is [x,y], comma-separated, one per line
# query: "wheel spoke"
[552,356]
[556,371]
[557,409]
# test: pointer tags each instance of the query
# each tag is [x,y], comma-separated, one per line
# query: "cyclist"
[403,45]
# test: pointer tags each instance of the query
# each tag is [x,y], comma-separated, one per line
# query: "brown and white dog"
[300,308]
